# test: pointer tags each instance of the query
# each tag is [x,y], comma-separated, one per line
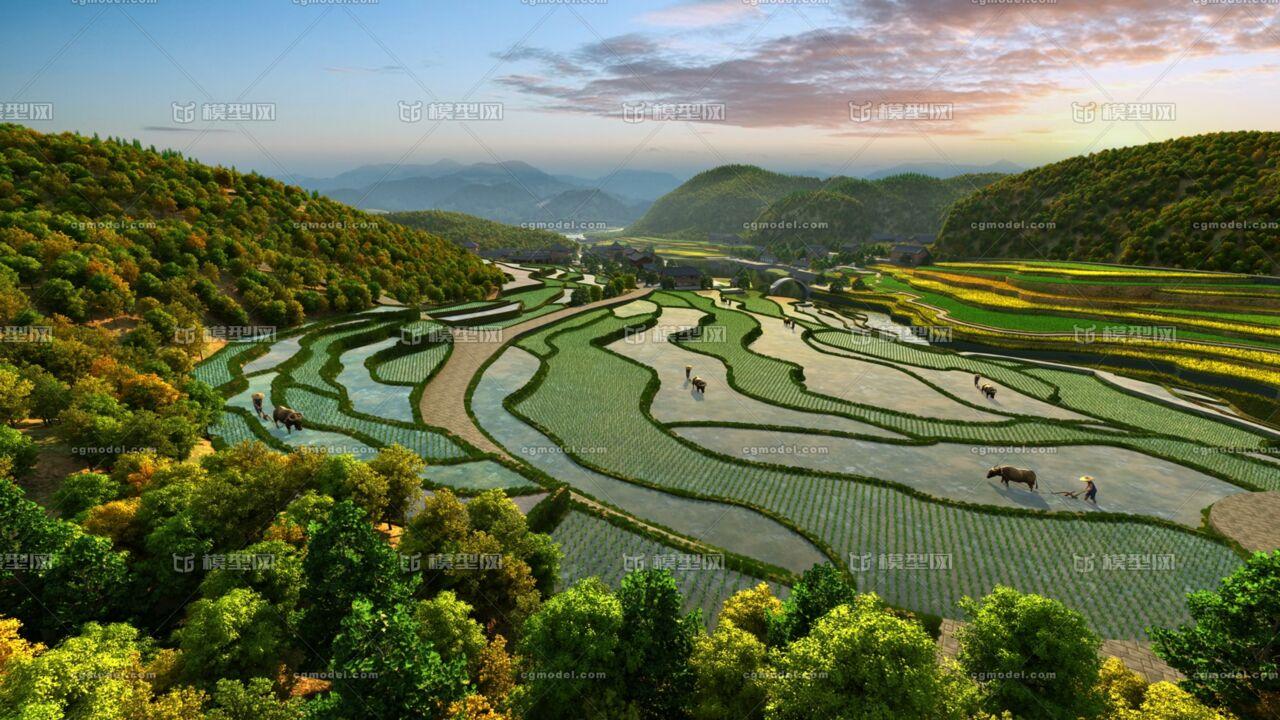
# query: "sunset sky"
[775,80]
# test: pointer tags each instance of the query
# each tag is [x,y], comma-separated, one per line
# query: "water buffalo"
[989,391]
[700,385]
[291,418]
[1009,473]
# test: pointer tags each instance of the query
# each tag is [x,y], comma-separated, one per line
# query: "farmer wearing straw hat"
[257,405]
[1091,490]
[687,369]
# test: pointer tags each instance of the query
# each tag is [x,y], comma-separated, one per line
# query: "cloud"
[700,14]
[985,60]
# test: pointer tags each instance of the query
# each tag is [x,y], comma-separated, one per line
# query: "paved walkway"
[1251,519]
[444,400]
[1135,654]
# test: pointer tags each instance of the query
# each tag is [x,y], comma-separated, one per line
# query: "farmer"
[258,399]
[977,379]
[687,370]
[1090,489]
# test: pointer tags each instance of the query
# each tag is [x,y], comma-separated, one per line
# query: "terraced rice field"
[818,443]
[859,519]
[594,547]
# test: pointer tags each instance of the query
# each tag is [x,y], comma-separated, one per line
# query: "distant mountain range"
[509,192]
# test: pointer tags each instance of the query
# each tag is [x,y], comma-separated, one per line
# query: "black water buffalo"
[989,391]
[700,385]
[292,419]
[1009,473]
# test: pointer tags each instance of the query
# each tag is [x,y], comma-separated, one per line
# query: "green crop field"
[595,547]
[860,519]
[919,547]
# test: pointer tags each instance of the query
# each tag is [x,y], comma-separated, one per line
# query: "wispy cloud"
[987,61]
[700,13]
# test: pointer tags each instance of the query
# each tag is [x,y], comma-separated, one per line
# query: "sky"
[590,87]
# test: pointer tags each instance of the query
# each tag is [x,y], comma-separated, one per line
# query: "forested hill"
[488,234]
[1208,201]
[720,200]
[770,208]
[853,210]
[90,227]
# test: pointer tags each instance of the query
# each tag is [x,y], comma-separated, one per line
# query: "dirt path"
[1249,519]
[444,400]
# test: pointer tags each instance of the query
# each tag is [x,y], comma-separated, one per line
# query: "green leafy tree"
[1229,652]
[347,560]
[571,651]
[1032,656]
[238,635]
[388,670]
[656,641]
[252,700]
[730,669]
[821,588]
[81,491]
[445,622]
[15,395]
[860,661]
[401,468]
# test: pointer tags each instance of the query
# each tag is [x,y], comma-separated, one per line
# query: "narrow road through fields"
[444,400]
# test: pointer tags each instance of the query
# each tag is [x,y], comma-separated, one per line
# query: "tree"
[15,395]
[274,571]
[387,670]
[345,478]
[1228,652]
[100,673]
[445,622]
[443,521]
[837,285]
[401,468]
[821,588]
[238,635]
[571,650]
[81,491]
[1032,655]
[860,661]
[750,609]
[347,560]
[252,700]
[1129,697]
[18,450]
[656,641]
[729,669]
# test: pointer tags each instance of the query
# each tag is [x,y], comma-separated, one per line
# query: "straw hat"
[1086,478]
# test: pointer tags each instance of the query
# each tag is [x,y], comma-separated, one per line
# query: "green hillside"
[770,208]
[1209,202]
[720,200]
[488,234]
[90,227]
[851,209]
